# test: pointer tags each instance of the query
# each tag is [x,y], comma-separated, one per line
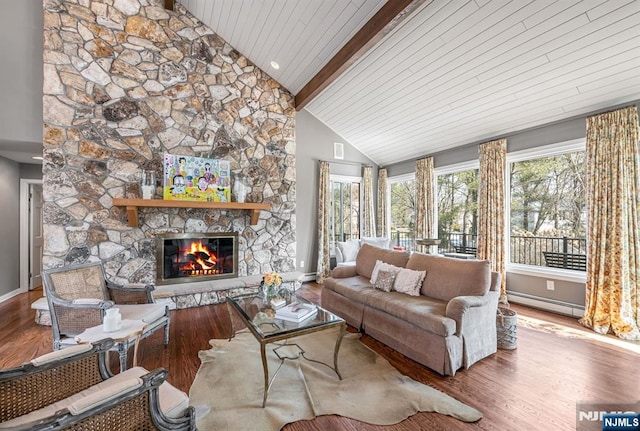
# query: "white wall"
[21,74]
[31,171]
[10,226]
[314,142]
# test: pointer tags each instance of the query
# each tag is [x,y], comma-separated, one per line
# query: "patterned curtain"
[381,227]
[425,199]
[613,239]
[491,207]
[324,209]
[369,228]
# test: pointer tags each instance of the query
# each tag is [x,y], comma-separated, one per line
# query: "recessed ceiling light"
[37,158]
[275,65]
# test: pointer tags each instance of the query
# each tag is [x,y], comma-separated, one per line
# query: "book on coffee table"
[278,302]
[296,312]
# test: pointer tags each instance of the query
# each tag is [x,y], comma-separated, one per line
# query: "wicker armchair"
[74,389]
[79,295]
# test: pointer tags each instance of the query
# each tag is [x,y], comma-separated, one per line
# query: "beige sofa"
[451,324]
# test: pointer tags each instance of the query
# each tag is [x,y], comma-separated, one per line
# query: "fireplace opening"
[196,257]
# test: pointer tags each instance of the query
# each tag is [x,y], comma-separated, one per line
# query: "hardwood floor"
[557,364]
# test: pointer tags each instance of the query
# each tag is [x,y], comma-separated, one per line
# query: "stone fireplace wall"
[126,81]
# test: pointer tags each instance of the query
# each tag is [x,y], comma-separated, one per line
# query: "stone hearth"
[187,295]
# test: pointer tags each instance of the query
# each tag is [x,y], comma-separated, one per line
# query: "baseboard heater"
[546,304]
[309,276]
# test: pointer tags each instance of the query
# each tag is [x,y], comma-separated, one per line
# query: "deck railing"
[527,250]
[403,239]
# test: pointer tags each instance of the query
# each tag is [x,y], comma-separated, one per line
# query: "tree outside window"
[457,198]
[345,214]
[548,207]
[402,199]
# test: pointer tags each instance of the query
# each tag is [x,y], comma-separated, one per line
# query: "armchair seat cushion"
[148,313]
[173,402]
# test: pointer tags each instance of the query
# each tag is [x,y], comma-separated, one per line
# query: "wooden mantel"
[132,206]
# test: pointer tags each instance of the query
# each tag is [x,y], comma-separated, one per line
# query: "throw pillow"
[338,254]
[409,281]
[374,273]
[377,242]
[381,266]
[385,280]
[349,249]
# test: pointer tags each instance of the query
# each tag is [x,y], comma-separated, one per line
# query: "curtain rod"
[347,163]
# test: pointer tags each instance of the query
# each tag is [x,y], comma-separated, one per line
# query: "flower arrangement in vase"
[269,284]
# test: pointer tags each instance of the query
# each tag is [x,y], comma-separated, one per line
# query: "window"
[457,200]
[547,223]
[345,204]
[402,201]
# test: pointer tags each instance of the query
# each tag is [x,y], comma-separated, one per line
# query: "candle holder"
[148,183]
[239,189]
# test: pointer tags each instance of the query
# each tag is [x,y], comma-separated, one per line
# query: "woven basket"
[506,323]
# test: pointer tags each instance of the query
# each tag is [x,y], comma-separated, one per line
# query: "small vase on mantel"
[148,183]
[239,189]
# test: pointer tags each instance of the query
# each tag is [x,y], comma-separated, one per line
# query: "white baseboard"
[309,276]
[10,295]
[552,305]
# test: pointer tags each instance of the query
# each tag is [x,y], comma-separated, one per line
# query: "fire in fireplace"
[196,257]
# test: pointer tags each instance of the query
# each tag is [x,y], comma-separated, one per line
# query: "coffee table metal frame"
[280,334]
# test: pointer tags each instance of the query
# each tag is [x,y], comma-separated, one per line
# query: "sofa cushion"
[355,288]
[449,277]
[368,254]
[409,281]
[353,282]
[425,313]
[348,249]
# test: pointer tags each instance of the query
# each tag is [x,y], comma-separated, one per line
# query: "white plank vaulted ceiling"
[453,73]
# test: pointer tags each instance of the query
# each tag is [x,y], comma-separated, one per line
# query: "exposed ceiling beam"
[384,21]
[168,4]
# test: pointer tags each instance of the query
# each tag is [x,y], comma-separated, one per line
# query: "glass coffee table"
[259,317]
